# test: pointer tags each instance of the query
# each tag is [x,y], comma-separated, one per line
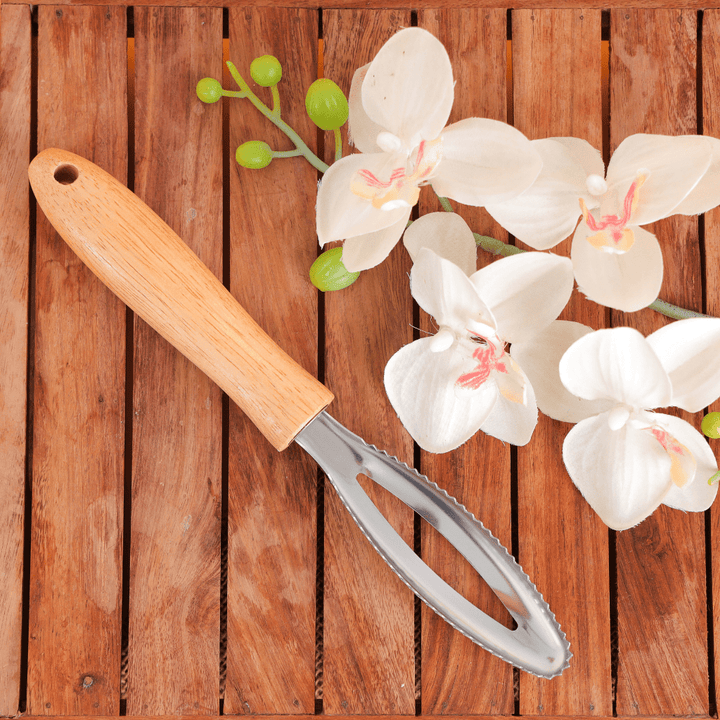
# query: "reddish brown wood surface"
[174,605]
[711,126]
[425,4]
[79,388]
[14,288]
[562,543]
[272,496]
[662,620]
[458,677]
[364,325]
[652,660]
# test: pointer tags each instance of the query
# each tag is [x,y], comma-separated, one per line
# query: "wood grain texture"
[711,126]
[79,388]
[662,615]
[174,606]
[563,545]
[272,497]
[14,283]
[429,4]
[459,677]
[369,630]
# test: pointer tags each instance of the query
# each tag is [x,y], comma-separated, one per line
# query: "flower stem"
[446,206]
[496,247]
[274,118]
[276,101]
[673,311]
[338,144]
[286,153]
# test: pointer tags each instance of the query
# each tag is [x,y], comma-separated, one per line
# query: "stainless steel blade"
[537,645]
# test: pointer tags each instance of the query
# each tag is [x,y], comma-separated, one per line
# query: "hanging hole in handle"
[66,174]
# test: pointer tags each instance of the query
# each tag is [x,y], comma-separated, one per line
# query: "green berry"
[266,70]
[711,425]
[329,273]
[209,90]
[326,104]
[254,154]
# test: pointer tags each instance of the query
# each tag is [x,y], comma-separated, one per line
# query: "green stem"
[496,247]
[446,206]
[276,100]
[338,144]
[286,153]
[673,311]
[305,151]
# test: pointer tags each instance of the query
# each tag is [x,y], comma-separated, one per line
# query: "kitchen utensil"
[157,275]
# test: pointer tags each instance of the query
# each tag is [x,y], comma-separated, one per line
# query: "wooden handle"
[157,275]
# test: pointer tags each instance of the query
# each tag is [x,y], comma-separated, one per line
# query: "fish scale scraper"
[156,274]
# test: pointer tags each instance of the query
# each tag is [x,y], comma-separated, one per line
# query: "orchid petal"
[583,153]
[365,251]
[624,474]
[525,292]
[485,161]
[442,289]
[690,353]
[672,167]
[512,421]
[341,213]
[447,235]
[697,495]
[548,211]
[420,384]
[539,357]
[629,281]
[616,364]
[362,131]
[706,194]
[408,89]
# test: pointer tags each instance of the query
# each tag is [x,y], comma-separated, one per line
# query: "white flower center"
[388,142]
[443,340]
[637,418]
[596,185]
[395,204]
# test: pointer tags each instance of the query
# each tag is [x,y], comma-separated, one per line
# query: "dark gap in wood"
[129,383]
[413,18]
[225,432]
[320,482]
[34,21]
[605,84]
[509,92]
[607,110]
[605,25]
[712,696]
[701,131]
[224,546]
[29,380]
[515,551]
[614,630]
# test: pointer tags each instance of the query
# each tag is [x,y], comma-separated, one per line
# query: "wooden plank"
[563,544]
[272,497]
[380,4]
[14,286]
[662,633]
[79,387]
[174,606]
[369,627]
[711,126]
[459,677]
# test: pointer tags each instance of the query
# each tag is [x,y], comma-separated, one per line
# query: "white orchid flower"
[617,263]
[399,106]
[625,458]
[446,387]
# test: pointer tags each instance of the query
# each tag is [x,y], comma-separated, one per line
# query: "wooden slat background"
[169,562]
